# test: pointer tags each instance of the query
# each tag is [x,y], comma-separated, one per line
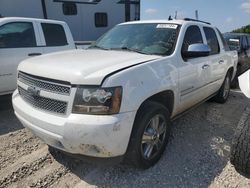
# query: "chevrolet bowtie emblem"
[33,91]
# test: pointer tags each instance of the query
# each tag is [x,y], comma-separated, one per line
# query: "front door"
[17,42]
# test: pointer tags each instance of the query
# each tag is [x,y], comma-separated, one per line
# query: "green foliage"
[245,29]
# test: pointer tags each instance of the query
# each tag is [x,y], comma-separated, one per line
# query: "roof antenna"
[176,13]
[196,15]
[170,18]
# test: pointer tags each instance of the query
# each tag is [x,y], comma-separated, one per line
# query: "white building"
[87,19]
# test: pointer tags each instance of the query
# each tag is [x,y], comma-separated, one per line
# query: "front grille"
[43,103]
[50,86]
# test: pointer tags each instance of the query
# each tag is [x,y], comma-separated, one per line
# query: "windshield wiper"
[98,47]
[130,49]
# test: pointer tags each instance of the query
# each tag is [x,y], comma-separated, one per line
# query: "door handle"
[34,54]
[205,66]
[221,61]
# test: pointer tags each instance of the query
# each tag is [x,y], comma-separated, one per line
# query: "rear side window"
[226,47]
[212,40]
[54,34]
[192,36]
[17,35]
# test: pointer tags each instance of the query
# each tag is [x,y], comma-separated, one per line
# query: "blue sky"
[225,14]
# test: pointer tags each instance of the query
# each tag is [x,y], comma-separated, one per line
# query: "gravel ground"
[197,155]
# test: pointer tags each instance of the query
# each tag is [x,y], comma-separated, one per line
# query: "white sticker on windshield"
[167,26]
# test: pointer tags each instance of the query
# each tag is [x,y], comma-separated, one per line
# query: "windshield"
[151,39]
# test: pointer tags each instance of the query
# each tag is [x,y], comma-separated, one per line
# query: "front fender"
[143,81]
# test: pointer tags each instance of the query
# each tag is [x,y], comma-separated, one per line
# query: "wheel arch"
[165,98]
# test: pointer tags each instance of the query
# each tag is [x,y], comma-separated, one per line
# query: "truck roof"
[30,19]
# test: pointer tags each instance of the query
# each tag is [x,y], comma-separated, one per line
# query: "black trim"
[119,70]
[44,9]
[183,91]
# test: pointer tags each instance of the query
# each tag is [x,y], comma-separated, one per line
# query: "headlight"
[98,101]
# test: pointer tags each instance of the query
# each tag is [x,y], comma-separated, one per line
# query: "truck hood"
[82,67]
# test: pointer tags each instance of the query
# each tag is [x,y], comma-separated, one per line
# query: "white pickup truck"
[21,38]
[116,99]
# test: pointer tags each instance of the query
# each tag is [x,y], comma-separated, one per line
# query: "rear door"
[218,60]
[54,37]
[18,41]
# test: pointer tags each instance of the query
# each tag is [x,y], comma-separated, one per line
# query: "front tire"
[224,91]
[149,136]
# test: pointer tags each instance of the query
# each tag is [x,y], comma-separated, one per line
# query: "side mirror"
[197,50]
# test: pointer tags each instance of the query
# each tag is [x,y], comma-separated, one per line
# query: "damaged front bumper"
[90,135]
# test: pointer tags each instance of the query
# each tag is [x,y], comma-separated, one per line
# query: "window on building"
[69,8]
[212,40]
[101,19]
[192,36]
[17,35]
[54,34]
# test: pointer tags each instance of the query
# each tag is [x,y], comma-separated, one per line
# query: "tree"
[245,29]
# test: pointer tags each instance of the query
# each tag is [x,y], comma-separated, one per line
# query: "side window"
[101,19]
[212,40]
[54,34]
[17,35]
[192,36]
[69,8]
[226,47]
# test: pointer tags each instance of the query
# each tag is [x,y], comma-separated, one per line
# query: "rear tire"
[240,149]
[224,91]
[149,136]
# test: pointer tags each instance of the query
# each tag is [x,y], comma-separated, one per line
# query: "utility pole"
[127,10]
[45,16]
[176,13]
